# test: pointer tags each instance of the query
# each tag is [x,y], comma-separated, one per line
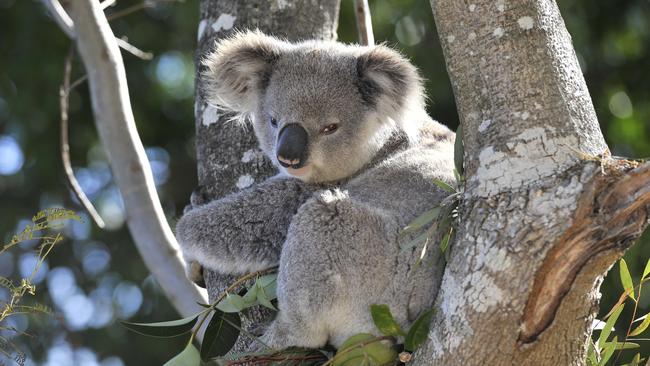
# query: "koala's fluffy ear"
[239,68]
[388,82]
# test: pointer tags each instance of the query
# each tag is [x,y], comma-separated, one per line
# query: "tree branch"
[116,126]
[612,210]
[364,22]
[64,95]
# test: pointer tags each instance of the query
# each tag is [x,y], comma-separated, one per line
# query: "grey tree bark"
[227,154]
[546,210]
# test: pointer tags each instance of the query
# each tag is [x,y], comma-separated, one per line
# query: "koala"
[357,156]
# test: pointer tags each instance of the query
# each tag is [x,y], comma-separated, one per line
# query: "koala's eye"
[329,129]
[274,122]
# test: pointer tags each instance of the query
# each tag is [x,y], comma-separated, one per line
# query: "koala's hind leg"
[336,261]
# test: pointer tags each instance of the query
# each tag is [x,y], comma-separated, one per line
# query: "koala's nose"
[292,146]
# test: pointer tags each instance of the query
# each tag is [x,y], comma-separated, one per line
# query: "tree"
[546,209]
[227,154]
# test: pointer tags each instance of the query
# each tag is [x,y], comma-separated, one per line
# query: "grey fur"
[335,231]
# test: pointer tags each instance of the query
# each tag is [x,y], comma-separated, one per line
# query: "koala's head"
[320,110]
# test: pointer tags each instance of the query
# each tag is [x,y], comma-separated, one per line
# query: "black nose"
[292,146]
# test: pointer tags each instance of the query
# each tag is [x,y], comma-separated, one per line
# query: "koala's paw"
[281,334]
[194,272]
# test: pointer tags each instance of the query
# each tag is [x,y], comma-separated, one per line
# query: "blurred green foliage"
[612,40]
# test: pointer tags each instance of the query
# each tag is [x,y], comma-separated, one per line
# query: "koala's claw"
[194,272]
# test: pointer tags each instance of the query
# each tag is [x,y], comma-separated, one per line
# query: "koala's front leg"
[338,259]
[244,231]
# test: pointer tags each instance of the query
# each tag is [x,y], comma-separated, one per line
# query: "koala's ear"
[388,82]
[238,70]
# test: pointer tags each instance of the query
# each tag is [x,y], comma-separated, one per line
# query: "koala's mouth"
[298,172]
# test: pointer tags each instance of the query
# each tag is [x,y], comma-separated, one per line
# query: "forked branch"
[612,212]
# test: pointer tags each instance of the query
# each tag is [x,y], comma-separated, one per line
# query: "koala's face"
[320,110]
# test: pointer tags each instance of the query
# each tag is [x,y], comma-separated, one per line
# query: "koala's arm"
[244,231]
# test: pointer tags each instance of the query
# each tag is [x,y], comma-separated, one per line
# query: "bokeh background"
[96,276]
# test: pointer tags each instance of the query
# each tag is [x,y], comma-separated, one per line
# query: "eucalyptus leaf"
[608,351]
[264,300]
[444,243]
[626,279]
[444,186]
[417,241]
[643,326]
[231,304]
[172,328]
[250,298]
[267,280]
[269,285]
[220,335]
[591,355]
[418,332]
[626,345]
[459,178]
[363,349]
[423,219]
[189,357]
[459,151]
[384,321]
[609,325]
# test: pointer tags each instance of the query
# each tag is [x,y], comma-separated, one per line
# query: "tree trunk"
[227,154]
[546,210]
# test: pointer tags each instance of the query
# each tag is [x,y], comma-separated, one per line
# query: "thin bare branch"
[364,22]
[107,3]
[60,16]
[64,94]
[125,45]
[131,9]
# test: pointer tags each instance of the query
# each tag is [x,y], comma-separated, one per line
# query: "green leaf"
[220,335]
[263,299]
[250,298]
[459,150]
[608,351]
[268,284]
[384,320]
[418,332]
[459,178]
[626,279]
[167,329]
[643,326]
[591,355]
[189,357]
[444,186]
[607,329]
[626,345]
[444,243]
[363,349]
[636,360]
[423,219]
[646,270]
[231,304]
